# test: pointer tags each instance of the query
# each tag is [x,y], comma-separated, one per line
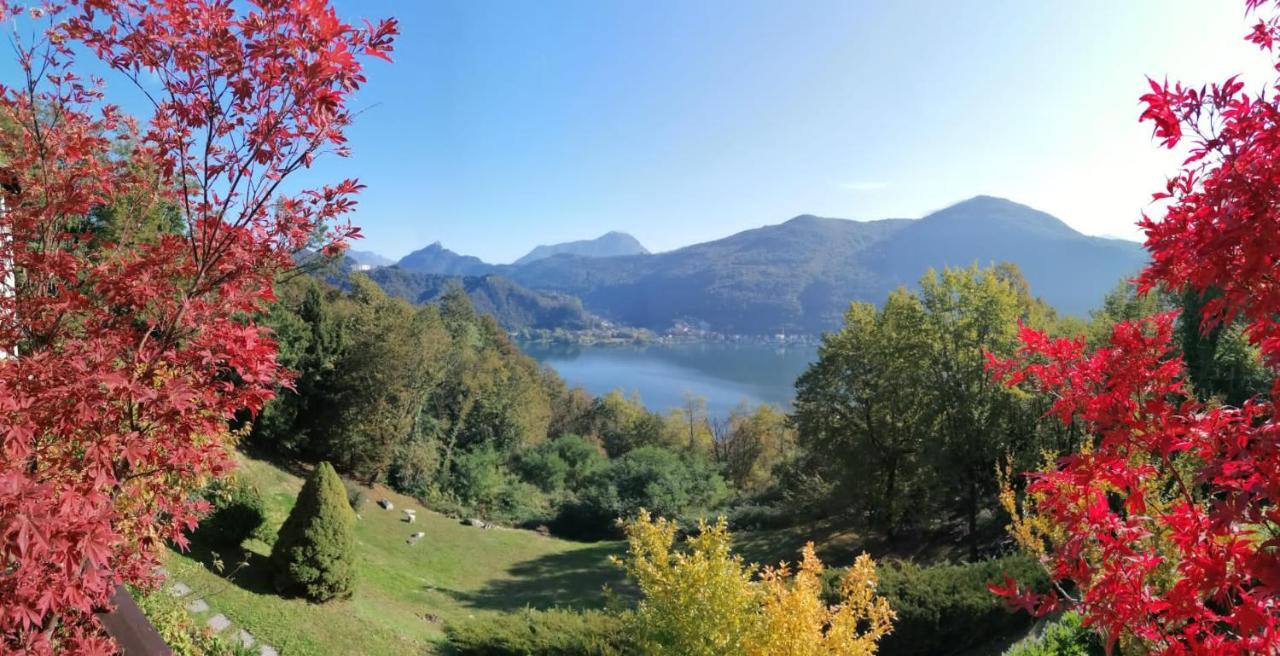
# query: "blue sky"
[503,125]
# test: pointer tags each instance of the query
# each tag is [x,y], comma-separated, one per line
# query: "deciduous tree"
[133,355]
[1166,525]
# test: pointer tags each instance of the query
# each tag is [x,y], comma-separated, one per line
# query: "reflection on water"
[725,374]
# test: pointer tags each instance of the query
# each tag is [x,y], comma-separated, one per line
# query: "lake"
[723,373]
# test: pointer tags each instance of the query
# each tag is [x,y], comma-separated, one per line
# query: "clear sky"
[503,125]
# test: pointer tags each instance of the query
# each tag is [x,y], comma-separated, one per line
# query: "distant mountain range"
[798,276]
[610,244]
[368,258]
[514,306]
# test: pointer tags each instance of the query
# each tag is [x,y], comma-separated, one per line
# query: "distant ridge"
[800,276]
[609,244]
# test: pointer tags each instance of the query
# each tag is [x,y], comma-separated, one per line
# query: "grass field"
[404,593]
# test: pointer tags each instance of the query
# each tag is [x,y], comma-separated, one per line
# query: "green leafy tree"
[866,412]
[314,553]
[379,383]
[970,313]
[899,414]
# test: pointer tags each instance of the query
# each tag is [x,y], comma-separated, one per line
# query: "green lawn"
[404,593]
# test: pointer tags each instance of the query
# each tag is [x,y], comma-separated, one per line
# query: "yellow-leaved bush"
[703,600]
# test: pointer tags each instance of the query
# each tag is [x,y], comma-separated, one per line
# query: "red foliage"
[128,360]
[1213,586]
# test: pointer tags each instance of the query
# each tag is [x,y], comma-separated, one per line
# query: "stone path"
[217,622]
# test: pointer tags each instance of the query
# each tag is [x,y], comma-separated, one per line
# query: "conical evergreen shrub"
[314,553]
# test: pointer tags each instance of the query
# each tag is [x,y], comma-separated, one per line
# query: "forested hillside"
[514,307]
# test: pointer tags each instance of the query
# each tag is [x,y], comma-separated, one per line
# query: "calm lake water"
[725,374]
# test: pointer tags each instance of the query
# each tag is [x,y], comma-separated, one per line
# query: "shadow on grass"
[838,543]
[243,568]
[573,579]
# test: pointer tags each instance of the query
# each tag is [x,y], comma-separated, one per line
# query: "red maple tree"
[1165,532]
[128,351]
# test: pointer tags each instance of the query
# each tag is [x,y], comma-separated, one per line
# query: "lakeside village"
[603,332]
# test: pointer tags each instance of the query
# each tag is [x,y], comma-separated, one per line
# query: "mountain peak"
[610,244]
[802,218]
[435,258]
[994,212]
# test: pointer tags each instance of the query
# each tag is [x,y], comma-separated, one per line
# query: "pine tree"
[314,554]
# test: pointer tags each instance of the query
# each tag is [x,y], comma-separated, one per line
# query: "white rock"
[244,638]
[198,606]
[179,589]
[218,623]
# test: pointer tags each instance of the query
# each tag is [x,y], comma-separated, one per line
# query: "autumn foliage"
[703,599]
[130,349]
[1164,532]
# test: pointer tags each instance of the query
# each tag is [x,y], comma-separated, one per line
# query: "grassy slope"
[404,593]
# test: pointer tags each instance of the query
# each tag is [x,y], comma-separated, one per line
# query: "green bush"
[355,495]
[238,513]
[180,631]
[1064,637]
[519,503]
[665,483]
[415,467]
[314,554]
[478,477]
[555,632]
[757,517]
[947,608]
[563,463]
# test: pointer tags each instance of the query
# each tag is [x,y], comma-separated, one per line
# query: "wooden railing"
[131,629]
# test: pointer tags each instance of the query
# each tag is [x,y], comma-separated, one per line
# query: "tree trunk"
[973,520]
[890,487]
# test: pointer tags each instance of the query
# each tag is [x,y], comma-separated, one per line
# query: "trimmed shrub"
[238,513]
[1065,636]
[554,632]
[947,608]
[314,553]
